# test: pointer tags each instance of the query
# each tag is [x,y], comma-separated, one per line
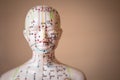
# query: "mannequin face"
[42,29]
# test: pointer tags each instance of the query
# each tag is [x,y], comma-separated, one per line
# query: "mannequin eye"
[33,28]
[54,35]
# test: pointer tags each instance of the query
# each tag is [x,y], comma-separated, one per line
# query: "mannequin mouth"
[44,45]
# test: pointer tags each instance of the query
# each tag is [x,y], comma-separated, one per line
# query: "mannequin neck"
[45,59]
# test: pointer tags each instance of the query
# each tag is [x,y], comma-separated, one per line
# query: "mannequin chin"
[42,32]
[43,50]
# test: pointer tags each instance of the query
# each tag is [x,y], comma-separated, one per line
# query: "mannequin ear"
[60,33]
[25,34]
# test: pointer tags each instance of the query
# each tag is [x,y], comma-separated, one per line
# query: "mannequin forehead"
[42,16]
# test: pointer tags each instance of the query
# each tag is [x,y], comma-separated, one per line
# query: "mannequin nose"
[43,34]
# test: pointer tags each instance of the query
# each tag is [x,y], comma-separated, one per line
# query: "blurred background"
[90,39]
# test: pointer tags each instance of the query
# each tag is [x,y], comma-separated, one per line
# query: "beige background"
[90,39]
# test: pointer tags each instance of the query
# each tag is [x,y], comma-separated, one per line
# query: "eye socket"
[33,28]
[54,35]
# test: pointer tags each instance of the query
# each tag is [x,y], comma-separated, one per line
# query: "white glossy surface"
[42,32]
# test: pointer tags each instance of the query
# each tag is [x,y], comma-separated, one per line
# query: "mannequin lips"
[44,45]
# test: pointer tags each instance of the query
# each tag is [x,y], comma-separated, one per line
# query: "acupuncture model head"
[42,32]
[42,29]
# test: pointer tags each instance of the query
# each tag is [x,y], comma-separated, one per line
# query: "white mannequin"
[42,32]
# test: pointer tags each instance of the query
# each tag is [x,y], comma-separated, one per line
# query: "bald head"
[42,16]
[42,28]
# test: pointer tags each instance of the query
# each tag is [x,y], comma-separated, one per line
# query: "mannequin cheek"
[54,42]
[31,39]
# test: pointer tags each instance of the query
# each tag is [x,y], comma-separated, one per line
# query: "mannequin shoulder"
[8,75]
[75,74]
